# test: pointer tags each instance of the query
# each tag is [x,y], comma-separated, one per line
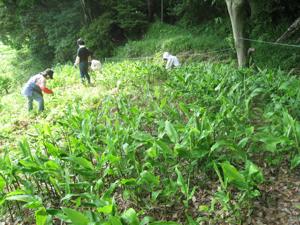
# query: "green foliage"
[76,217]
[97,36]
[99,157]
[62,26]
[175,39]
[192,12]
[132,17]
[5,84]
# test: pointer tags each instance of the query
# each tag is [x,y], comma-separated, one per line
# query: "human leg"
[30,103]
[39,98]
[83,67]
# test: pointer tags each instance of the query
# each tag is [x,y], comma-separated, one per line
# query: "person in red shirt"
[35,86]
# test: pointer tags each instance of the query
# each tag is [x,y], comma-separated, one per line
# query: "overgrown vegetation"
[153,148]
[143,145]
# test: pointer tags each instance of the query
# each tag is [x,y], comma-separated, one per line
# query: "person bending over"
[172,61]
[35,86]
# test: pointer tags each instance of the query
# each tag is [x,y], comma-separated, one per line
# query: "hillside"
[202,144]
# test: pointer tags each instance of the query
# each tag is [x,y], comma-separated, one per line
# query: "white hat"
[166,55]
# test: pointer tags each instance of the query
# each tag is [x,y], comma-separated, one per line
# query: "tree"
[150,7]
[237,10]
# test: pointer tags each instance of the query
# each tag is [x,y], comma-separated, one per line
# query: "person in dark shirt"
[82,59]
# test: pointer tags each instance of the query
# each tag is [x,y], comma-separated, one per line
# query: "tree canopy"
[50,28]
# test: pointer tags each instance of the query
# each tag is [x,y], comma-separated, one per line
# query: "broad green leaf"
[24,146]
[82,162]
[111,189]
[232,175]
[181,183]
[242,143]
[16,192]
[130,217]
[21,198]
[295,161]
[30,165]
[203,208]
[271,142]
[146,220]
[148,178]
[130,181]
[154,195]
[184,108]
[41,216]
[163,147]
[52,165]
[2,184]
[220,144]
[76,217]
[105,209]
[171,132]
[52,150]
[68,197]
[113,220]
[142,136]
[34,204]
[151,152]
[2,201]
[253,172]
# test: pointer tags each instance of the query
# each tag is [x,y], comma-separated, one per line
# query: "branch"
[290,31]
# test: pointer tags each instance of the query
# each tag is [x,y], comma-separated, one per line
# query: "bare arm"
[76,61]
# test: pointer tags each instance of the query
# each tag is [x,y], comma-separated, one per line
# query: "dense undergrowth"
[209,41]
[184,146]
[187,146]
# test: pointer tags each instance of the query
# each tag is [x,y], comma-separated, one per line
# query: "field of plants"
[194,145]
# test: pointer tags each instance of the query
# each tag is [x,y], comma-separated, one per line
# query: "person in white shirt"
[172,61]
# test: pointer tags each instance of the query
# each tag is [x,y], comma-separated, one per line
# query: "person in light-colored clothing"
[172,61]
[95,65]
[35,86]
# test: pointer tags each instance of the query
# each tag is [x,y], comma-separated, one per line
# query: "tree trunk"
[237,11]
[150,6]
[86,11]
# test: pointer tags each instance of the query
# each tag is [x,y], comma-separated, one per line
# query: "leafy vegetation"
[144,145]
[152,148]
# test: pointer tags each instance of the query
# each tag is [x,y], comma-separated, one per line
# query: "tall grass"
[163,37]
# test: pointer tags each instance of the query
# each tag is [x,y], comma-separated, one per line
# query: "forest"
[191,118]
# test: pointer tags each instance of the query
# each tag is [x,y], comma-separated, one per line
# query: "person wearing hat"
[35,86]
[82,59]
[172,61]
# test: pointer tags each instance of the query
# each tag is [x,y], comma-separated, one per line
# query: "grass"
[163,37]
